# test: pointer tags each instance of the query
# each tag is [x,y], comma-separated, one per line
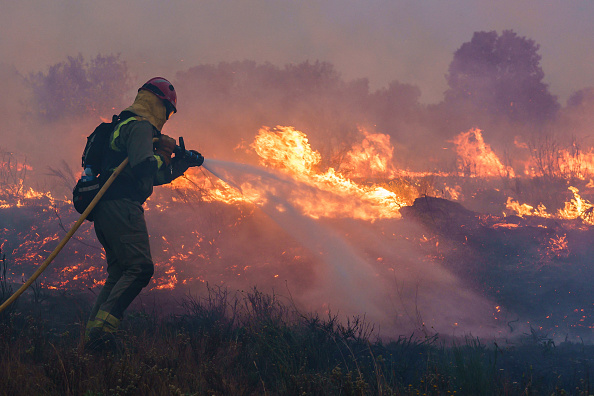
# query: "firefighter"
[119,216]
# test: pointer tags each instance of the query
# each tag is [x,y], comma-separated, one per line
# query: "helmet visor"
[169,109]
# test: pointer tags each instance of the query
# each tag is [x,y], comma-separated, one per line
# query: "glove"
[178,167]
[165,147]
[181,163]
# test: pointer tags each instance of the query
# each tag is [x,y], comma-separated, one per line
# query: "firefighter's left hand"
[165,147]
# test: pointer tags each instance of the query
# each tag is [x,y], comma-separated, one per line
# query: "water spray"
[343,266]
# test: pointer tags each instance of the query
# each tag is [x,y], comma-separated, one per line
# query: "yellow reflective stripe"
[107,321]
[116,133]
[90,325]
[159,160]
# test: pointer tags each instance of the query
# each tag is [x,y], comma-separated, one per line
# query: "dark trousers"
[121,229]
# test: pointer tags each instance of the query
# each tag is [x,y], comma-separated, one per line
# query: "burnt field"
[497,271]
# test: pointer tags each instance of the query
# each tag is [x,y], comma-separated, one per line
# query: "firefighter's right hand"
[165,147]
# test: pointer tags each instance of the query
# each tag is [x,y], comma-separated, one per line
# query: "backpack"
[92,180]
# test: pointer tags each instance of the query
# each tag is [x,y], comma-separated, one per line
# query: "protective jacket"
[133,138]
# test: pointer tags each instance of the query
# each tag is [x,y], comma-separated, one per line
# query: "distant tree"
[578,116]
[312,77]
[583,97]
[75,87]
[235,78]
[109,83]
[398,100]
[500,75]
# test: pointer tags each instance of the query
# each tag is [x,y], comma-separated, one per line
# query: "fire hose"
[67,237]
[181,150]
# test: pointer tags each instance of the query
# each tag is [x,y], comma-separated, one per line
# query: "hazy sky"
[411,41]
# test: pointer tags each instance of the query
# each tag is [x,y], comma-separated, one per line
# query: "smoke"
[345,277]
[397,54]
[12,104]
[383,41]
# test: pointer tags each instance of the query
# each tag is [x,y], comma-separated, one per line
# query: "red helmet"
[163,89]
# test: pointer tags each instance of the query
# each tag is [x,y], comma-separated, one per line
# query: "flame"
[576,208]
[350,190]
[476,158]
[526,210]
[316,193]
[288,150]
[453,193]
[558,246]
[577,164]
[370,158]
[14,192]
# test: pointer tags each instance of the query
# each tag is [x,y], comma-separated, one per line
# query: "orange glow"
[317,193]
[370,158]
[285,149]
[577,207]
[476,158]
[288,150]
[558,246]
[525,209]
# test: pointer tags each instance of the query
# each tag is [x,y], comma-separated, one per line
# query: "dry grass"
[252,344]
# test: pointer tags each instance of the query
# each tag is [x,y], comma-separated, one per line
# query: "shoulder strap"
[114,138]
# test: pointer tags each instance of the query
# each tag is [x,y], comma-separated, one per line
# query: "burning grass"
[251,343]
[334,238]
